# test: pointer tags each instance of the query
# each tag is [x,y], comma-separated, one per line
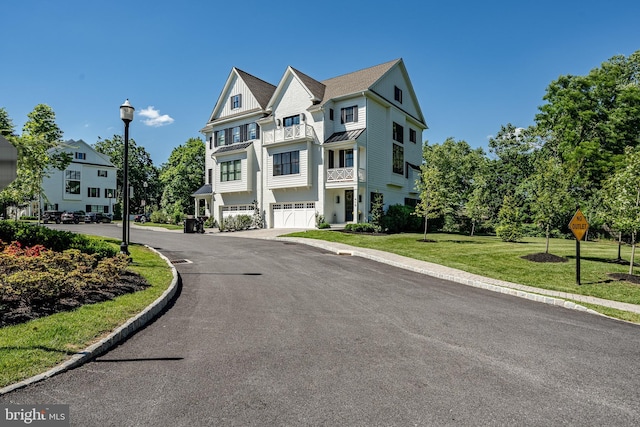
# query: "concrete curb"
[115,337]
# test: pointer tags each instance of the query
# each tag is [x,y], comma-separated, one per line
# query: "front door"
[348,205]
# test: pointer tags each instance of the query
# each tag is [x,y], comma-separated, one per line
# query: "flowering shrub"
[16,249]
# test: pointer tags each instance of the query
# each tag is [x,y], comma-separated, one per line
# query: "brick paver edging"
[118,335]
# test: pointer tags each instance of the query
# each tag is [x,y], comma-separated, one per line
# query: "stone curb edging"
[115,337]
[452,278]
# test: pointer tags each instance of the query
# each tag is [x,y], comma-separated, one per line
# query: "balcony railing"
[289,133]
[344,175]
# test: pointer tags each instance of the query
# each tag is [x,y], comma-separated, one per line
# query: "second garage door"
[294,215]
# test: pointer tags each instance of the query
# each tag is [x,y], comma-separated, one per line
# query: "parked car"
[141,218]
[70,217]
[97,217]
[51,216]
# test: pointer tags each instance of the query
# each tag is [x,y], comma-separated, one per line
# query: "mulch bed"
[15,312]
[544,257]
[632,278]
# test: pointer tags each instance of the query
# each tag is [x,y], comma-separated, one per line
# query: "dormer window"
[81,156]
[236,101]
[349,114]
[397,94]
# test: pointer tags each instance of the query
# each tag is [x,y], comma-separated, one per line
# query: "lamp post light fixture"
[126,114]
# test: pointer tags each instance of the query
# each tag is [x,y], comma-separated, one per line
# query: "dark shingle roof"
[355,82]
[205,189]
[348,135]
[233,147]
[259,88]
[316,88]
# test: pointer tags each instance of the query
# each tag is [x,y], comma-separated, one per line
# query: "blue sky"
[474,65]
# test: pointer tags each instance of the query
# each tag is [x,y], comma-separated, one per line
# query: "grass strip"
[34,347]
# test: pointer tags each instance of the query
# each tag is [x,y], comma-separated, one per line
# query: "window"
[235,134]
[330,113]
[109,193]
[209,176]
[413,135]
[72,182]
[397,94]
[398,133]
[346,158]
[210,142]
[93,192]
[219,138]
[286,163]
[331,160]
[398,159]
[102,173]
[252,131]
[236,101]
[291,120]
[81,156]
[349,114]
[230,171]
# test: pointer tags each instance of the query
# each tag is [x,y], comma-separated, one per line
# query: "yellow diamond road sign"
[579,225]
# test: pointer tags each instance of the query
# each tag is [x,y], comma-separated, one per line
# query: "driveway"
[278,333]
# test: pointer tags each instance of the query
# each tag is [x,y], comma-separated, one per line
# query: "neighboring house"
[306,147]
[87,184]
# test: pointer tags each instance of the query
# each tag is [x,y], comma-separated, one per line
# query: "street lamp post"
[126,114]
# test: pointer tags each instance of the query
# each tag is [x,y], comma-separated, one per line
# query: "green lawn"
[491,257]
[31,348]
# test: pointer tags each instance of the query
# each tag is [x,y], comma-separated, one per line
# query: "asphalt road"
[271,333]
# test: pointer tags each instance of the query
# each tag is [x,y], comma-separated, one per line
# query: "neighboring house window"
[349,114]
[397,94]
[291,120]
[413,135]
[398,159]
[97,208]
[230,171]
[72,182]
[236,101]
[81,156]
[93,192]
[330,113]
[209,176]
[398,133]
[102,173]
[252,131]
[109,193]
[286,163]
[346,158]
[235,134]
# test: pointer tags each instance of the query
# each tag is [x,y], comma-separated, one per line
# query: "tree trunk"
[426,220]
[619,245]
[546,251]
[633,251]
[473,227]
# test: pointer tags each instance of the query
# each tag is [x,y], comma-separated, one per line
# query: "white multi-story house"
[87,184]
[307,147]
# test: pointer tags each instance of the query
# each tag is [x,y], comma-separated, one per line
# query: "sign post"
[579,226]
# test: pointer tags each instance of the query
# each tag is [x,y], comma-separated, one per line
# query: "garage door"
[294,215]
[236,210]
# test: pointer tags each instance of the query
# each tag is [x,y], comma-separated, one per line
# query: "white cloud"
[153,117]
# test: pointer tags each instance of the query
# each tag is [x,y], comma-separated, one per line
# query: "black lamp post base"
[124,248]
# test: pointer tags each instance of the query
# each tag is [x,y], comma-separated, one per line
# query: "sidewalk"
[442,272]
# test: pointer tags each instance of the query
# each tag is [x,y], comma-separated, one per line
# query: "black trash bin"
[190,225]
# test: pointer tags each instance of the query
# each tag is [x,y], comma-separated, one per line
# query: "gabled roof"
[261,90]
[355,82]
[314,86]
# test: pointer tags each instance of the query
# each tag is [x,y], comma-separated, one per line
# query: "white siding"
[301,179]
[237,87]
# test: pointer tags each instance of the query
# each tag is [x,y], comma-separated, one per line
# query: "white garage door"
[236,210]
[294,215]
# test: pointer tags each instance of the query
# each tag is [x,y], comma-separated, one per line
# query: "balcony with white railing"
[293,133]
[345,175]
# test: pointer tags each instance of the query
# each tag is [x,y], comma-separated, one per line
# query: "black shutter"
[257,131]
[228,135]
[343,113]
[239,100]
[355,113]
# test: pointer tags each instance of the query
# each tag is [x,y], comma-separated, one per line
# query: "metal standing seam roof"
[233,147]
[348,135]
